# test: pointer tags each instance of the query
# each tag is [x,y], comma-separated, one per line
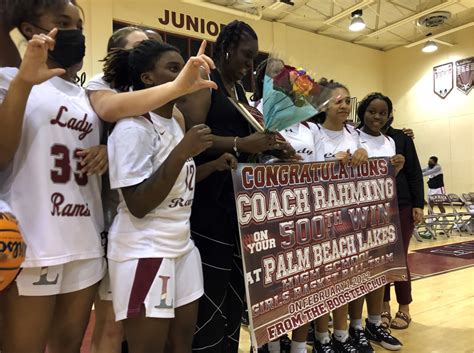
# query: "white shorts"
[436,191]
[159,285]
[105,291]
[60,279]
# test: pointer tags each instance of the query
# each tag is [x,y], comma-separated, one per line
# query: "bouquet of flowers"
[290,96]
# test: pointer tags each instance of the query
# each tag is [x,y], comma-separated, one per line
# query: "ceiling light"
[430,47]
[357,23]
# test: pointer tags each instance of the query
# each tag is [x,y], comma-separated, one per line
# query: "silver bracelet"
[235,146]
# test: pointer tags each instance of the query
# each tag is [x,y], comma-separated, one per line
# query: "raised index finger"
[52,33]
[202,48]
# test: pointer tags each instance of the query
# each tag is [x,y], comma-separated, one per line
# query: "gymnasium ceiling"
[390,23]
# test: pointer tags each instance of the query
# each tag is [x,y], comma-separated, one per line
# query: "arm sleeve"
[130,149]
[413,173]
[428,171]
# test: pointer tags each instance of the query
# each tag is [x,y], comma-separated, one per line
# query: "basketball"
[12,249]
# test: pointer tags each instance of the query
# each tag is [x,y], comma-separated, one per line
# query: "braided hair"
[123,68]
[320,118]
[230,37]
[364,103]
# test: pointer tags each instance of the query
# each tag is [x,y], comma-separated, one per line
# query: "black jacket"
[410,179]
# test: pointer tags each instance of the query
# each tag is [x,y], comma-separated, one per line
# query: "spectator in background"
[434,172]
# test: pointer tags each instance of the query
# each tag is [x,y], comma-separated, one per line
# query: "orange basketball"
[12,249]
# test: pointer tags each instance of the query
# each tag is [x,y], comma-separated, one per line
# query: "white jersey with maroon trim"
[329,142]
[301,138]
[137,148]
[377,146]
[97,83]
[58,208]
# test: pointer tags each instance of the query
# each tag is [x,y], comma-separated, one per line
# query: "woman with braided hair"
[214,226]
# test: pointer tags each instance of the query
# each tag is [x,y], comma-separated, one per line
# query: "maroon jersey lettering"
[72,123]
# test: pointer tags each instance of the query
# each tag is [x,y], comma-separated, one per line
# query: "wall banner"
[443,79]
[314,237]
[465,74]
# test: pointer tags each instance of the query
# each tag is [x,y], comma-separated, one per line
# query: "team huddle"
[124,198]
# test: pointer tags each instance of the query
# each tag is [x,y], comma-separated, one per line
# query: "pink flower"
[282,80]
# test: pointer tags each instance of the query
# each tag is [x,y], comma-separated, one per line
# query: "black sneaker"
[310,337]
[124,347]
[319,347]
[382,336]
[285,344]
[344,347]
[245,318]
[360,341]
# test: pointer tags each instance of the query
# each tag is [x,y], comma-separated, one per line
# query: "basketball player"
[45,121]
[110,105]
[108,333]
[151,163]
[373,112]
[334,139]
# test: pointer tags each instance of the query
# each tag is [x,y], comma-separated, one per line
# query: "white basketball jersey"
[329,142]
[58,208]
[301,138]
[377,146]
[97,83]
[137,149]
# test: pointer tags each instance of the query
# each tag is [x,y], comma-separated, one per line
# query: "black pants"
[403,288]
[220,309]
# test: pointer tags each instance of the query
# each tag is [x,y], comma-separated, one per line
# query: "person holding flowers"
[214,225]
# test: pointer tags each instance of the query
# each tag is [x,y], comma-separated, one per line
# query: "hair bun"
[325,82]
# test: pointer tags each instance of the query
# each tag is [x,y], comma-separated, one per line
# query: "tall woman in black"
[410,204]
[214,226]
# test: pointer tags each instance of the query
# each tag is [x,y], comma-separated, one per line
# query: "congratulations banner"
[314,237]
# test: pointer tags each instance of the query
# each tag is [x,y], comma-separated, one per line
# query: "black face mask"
[431,165]
[70,47]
